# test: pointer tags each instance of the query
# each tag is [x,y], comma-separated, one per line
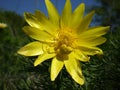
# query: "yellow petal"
[37,34]
[52,12]
[95,32]
[3,25]
[40,21]
[85,22]
[32,20]
[56,67]
[46,24]
[78,15]
[31,49]
[66,14]
[91,41]
[90,50]
[43,57]
[92,37]
[74,69]
[80,56]
[40,16]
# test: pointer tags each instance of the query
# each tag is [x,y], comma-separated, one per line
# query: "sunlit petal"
[52,12]
[74,69]
[32,20]
[43,57]
[40,16]
[31,49]
[42,22]
[66,14]
[78,15]
[37,34]
[90,50]
[92,41]
[80,56]
[94,32]
[56,67]
[85,22]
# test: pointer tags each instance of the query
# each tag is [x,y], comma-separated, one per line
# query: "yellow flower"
[67,39]
[3,25]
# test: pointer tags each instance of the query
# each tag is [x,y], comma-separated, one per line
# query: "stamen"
[64,42]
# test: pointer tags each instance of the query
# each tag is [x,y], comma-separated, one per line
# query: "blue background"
[21,6]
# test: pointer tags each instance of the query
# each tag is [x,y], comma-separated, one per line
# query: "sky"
[21,6]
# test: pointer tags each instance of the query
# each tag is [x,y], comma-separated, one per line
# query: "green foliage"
[18,73]
[11,66]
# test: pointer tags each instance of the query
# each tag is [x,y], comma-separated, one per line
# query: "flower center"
[64,43]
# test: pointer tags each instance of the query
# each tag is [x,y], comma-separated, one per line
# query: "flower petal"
[56,67]
[91,41]
[52,12]
[92,37]
[66,14]
[78,15]
[80,56]
[43,57]
[32,49]
[90,50]
[74,69]
[85,22]
[45,23]
[37,34]
[40,21]
[95,32]
[32,20]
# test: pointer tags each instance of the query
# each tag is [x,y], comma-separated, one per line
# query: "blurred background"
[18,73]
